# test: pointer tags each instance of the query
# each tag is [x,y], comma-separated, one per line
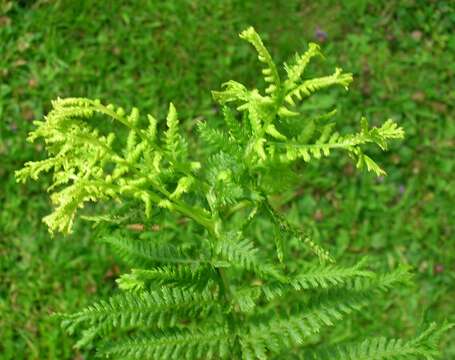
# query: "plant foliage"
[205,284]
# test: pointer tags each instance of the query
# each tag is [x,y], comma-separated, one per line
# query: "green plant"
[239,280]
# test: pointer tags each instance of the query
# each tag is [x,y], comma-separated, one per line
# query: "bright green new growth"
[214,287]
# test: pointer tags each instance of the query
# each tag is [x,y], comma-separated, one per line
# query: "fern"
[208,285]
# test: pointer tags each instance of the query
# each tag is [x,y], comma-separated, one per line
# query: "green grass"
[148,53]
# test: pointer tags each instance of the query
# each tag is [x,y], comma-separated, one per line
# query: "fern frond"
[92,170]
[353,283]
[141,253]
[233,91]
[284,332]
[326,276]
[309,87]
[237,131]
[160,308]
[270,72]
[285,227]
[381,282]
[223,176]
[242,253]
[351,143]
[296,70]
[73,197]
[184,185]
[213,343]
[171,136]
[217,139]
[425,346]
[151,130]
[276,333]
[244,299]
[182,276]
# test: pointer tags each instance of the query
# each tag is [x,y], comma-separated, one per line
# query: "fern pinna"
[215,273]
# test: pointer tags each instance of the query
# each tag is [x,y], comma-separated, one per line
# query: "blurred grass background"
[147,53]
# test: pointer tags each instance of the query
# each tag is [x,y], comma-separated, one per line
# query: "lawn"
[148,53]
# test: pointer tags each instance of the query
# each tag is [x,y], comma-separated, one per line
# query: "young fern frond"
[351,143]
[296,70]
[309,87]
[263,110]
[218,290]
[270,72]
[88,162]
[175,146]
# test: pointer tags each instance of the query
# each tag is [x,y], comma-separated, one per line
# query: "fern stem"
[239,206]
[344,145]
[206,222]
[224,284]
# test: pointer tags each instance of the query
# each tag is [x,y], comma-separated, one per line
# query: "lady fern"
[213,287]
